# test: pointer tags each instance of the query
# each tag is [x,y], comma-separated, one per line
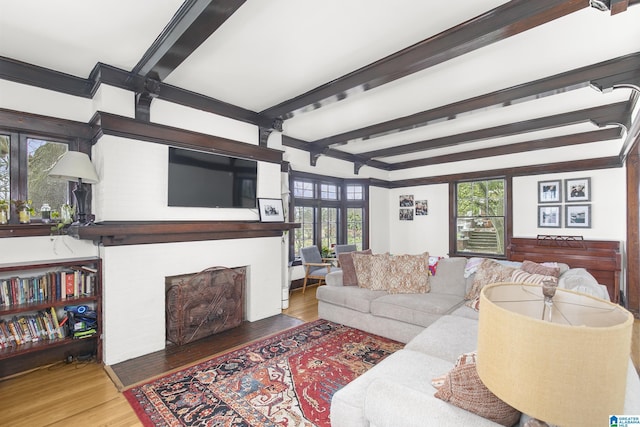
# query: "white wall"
[133,179]
[430,233]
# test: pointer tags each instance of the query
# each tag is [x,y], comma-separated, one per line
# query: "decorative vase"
[4,216]
[23,215]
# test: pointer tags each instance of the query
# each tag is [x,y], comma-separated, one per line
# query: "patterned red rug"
[286,380]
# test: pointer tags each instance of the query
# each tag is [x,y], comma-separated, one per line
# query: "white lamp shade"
[568,371]
[74,165]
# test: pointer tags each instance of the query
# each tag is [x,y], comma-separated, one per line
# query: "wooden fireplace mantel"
[116,233]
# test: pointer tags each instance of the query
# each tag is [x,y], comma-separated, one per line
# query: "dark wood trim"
[504,21]
[574,79]
[604,114]
[113,76]
[560,167]
[33,75]
[201,18]
[521,147]
[25,230]
[111,124]
[118,233]
[633,228]
[20,121]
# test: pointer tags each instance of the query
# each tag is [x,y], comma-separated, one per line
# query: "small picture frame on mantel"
[271,210]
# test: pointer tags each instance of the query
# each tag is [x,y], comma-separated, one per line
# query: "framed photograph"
[271,210]
[549,191]
[577,190]
[578,216]
[406,214]
[422,207]
[549,216]
[406,201]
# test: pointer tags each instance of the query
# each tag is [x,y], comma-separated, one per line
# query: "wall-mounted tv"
[199,179]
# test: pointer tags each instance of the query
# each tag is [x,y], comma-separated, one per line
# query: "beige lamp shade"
[570,371]
[74,165]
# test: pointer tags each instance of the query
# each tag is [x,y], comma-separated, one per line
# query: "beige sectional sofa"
[437,328]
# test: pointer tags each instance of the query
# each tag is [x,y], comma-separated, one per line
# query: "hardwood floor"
[83,393]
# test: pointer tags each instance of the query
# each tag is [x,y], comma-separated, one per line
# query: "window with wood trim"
[25,161]
[330,211]
[480,217]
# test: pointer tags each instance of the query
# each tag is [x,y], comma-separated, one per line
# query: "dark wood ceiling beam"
[498,24]
[299,144]
[547,168]
[194,22]
[125,127]
[521,147]
[29,74]
[577,78]
[602,115]
[113,76]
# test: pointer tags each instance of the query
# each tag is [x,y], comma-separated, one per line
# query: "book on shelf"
[52,286]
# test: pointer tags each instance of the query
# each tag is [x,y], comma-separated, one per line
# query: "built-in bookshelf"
[50,311]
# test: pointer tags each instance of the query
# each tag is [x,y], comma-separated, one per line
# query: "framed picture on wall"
[578,216]
[550,191]
[422,207]
[549,216]
[577,190]
[271,210]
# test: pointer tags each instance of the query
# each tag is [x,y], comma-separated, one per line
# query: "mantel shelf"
[116,233]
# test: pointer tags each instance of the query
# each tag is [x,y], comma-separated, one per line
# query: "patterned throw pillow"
[408,274]
[371,270]
[349,277]
[489,271]
[463,359]
[535,268]
[520,276]
[463,388]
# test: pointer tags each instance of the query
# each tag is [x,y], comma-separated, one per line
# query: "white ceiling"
[271,51]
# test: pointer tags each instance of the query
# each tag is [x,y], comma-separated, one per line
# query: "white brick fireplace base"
[134,283]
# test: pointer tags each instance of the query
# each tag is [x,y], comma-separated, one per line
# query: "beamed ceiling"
[397,86]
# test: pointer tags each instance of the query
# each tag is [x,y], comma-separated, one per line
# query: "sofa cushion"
[535,268]
[408,274]
[352,297]
[580,280]
[371,270]
[437,340]
[489,271]
[349,277]
[347,404]
[416,309]
[464,389]
[521,276]
[450,278]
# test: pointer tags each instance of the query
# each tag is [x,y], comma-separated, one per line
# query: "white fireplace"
[134,286]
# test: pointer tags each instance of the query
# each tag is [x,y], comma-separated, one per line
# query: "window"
[480,217]
[330,211]
[34,158]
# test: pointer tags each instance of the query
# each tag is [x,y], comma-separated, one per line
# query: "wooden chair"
[315,267]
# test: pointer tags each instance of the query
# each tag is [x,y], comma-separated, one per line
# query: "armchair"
[315,267]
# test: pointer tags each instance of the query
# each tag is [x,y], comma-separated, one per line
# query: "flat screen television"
[199,179]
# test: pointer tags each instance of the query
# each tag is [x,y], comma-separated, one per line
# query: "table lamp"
[568,369]
[77,167]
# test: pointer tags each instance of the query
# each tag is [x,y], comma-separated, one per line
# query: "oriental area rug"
[285,380]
